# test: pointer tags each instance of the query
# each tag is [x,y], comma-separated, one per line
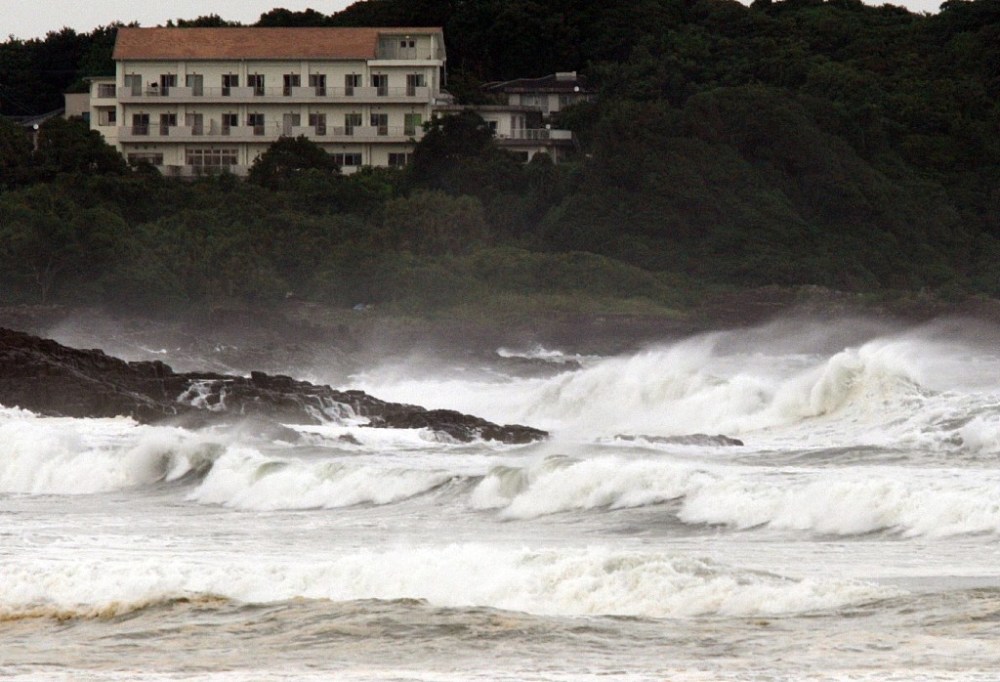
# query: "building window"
[105,90]
[196,82]
[317,81]
[540,101]
[398,160]
[381,123]
[351,81]
[145,157]
[289,122]
[133,84]
[411,123]
[167,121]
[195,122]
[229,121]
[256,81]
[229,81]
[140,124]
[107,116]
[256,121]
[492,125]
[380,81]
[318,122]
[414,81]
[209,157]
[292,80]
[167,81]
[351,121]
[347,159]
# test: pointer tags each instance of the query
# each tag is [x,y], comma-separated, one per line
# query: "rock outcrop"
[46,377]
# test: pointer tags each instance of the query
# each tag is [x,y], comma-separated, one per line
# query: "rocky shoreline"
[49,378]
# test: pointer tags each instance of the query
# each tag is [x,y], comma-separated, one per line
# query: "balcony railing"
[395,52]
[215,131]
[311,93]
[536,134]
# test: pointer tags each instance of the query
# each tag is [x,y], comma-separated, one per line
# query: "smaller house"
[518,129]
[549,93]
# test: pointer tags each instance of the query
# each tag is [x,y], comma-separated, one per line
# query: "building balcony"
[392,52]
[535,135]
[282,95]
[214,132]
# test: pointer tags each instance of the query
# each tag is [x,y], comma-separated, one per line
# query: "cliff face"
[51,379]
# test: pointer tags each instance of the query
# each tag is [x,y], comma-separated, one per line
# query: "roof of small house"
[561,82]
[254,42]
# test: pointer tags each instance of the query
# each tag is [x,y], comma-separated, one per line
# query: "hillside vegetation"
[785,143]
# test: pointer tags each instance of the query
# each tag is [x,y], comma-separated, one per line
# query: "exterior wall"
[77,104]
[371,123]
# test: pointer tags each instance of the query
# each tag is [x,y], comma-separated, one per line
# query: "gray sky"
[34,18]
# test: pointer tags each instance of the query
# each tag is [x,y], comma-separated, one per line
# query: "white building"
[192,100]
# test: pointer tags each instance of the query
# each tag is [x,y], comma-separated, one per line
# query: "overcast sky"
[34,18]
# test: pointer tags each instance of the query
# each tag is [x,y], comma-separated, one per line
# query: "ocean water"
[855,535]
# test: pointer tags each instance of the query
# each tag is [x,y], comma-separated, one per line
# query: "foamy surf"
[563,582]
[850,501]
[852,536]
[245,479]
[41,455]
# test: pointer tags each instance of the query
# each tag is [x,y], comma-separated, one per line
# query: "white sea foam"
[981,435]
[854,502]
[245,479]
[82,456]
[887,391]
[849,501]
[585,581]
[559,484]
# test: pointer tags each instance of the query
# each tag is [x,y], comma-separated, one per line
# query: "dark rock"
[51,379]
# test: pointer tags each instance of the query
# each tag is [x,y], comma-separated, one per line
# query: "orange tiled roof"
[253,42]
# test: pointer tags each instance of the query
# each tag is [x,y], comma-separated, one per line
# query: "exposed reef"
[48,378]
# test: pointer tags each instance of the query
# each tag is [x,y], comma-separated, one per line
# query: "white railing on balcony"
[420,93]
[215,131]
[393,51]
[539,134]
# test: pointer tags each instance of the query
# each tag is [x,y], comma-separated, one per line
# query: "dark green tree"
[66,146]
[15,155]
[288,157]
[457,154]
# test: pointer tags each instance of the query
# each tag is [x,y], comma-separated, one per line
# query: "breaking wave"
[570,582]
[849,501]
[84,456]
[884,391]
[243,478]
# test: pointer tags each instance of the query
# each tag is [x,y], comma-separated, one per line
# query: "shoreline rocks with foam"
[46,377]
